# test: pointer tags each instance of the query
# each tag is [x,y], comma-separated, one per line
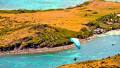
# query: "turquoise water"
[95,49]
[38,4]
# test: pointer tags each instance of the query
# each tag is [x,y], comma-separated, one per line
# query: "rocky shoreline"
[52,50]
[37,51]
[109,62]
[29,39]
[44,50]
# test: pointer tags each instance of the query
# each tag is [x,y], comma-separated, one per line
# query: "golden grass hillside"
[71,19]
[14,26]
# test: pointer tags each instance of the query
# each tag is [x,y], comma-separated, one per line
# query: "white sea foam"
[110,33]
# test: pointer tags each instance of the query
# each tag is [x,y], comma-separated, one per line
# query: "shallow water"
[38,4]
[95,49]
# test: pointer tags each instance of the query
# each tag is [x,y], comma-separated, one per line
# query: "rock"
[98,30]
[118,15]
[109,23]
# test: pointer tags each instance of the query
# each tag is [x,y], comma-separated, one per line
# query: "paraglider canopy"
[76,42]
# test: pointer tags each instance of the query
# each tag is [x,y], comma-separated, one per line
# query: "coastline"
[73,19]
[14,11]
[60,18]
[52,18]
[39,10]
[37,51]
[55,49]
[109,62]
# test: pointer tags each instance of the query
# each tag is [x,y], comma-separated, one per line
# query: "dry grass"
[13,36]
[71,19]
[112,62]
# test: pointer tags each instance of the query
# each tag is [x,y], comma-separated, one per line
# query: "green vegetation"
[45,36]
[48,36]
[109,18]
[107,22]
[85,33]
[85,3]
[18,11]
[5,30]
[32,11]
[100,25]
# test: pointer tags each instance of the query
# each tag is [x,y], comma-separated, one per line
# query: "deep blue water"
[95,49]
[38,4]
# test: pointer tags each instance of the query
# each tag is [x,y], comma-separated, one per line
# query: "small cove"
[96,49]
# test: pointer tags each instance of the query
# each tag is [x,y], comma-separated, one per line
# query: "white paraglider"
[76,42]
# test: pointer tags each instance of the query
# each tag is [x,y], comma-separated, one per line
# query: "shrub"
[86,3]
[95,12]
[109,18]
[5,30]
[47,36]
[85,33]
[94,23]
[115,26]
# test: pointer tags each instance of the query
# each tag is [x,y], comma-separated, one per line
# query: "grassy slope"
[15,26]
[43,35]
[35,36]
[110,62]
[71,19]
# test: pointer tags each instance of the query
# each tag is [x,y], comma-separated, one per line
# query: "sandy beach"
[37,51]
